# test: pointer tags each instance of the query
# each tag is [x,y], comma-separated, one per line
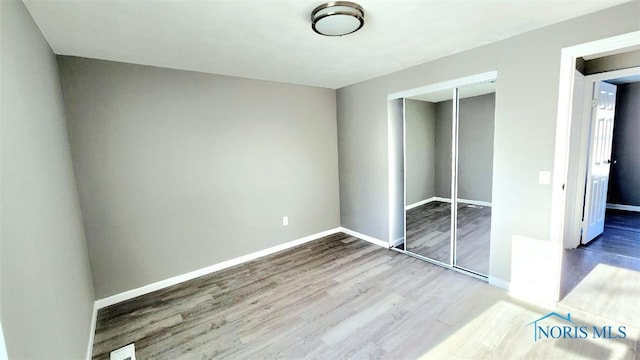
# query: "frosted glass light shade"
[337,18]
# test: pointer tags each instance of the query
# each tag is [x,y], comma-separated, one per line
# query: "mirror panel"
[476,114]
[428,163]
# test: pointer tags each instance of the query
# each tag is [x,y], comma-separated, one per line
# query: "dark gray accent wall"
[420,150]
[46,295]
[181,170]
[525,128]
[624,180]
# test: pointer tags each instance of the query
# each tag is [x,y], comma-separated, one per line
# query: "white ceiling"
[273,40]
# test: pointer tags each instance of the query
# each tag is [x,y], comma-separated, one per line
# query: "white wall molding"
[397,242]
[3,346]
[467,80]
[441,199]
[94,319]
[475,202]
[130,294]
[364,237]
[419,203]
[623,207]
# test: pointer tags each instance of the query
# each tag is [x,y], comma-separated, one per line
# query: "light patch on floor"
[608,292]
[503,332]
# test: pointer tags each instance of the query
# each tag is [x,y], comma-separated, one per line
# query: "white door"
[603,110]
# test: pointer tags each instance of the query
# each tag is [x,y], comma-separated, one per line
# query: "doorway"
[603,218]
[441,138]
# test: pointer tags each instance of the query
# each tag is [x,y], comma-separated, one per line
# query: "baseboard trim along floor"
[130,294]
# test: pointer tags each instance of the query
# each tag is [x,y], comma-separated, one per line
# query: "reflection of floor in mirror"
[428,233]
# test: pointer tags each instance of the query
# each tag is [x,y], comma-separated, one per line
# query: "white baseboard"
[464,201]
[94,319]
[499,283]
[419,203]
[623,207]
[130,294]
[397,242]
[364,237]
[475,202]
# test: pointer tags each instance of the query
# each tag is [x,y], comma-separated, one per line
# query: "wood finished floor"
[621,234]
[619,246]
[334,298]
[429,233]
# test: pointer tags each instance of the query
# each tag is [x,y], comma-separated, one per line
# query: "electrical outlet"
[285,220]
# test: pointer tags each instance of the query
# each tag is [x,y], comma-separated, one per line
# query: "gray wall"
[476,122]
[180,170]
[624,181]
[46,296]
[420,150]
[475,147]
[444,111]
[525,126]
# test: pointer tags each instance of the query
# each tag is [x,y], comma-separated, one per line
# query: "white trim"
[499,283]
[475,202]
[561,153]
[3,346]
[364,237]
[397,242]
[623,207]
[447,200]
[613,74]
[404,177]
[94,319]
[468,80]
[130,294]
[392,180]
[420,203]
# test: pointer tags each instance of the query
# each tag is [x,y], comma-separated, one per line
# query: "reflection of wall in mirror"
[420,145]
[428,146]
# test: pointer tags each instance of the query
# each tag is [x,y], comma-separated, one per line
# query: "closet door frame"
[454,85]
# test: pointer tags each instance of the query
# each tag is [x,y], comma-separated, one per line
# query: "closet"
[441,172]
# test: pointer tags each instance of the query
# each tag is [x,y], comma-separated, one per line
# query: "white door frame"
[3,347]
[561,156]
[581,154]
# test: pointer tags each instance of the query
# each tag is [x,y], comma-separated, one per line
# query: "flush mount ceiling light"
[337,18]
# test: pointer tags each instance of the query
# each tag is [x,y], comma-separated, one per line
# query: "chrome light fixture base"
[337,18]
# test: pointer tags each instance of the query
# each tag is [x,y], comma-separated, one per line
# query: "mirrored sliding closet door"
[447,175]
[428,157]
[476,108]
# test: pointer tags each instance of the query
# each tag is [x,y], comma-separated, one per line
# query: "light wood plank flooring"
[619,246]
[429,234]
[334,298]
